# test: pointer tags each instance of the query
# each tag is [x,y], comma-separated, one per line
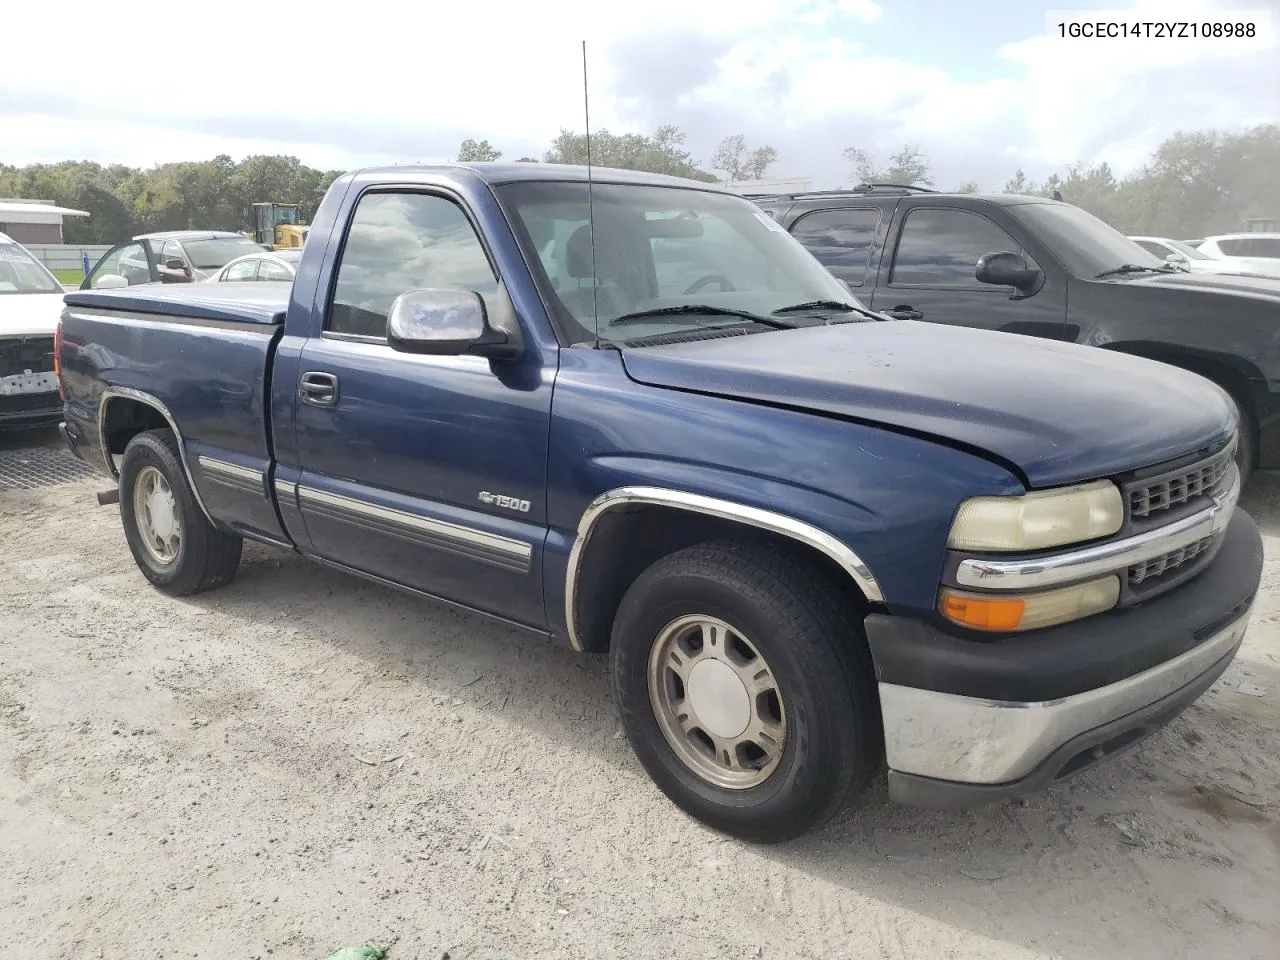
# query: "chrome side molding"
[492,548]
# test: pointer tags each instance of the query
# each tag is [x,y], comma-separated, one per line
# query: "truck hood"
[1245,284]
[1057,412]
[29,314]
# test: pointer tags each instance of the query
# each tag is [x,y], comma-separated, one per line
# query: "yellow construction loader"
[277,225]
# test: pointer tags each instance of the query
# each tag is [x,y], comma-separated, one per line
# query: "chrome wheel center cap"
[163,521]
[719,698]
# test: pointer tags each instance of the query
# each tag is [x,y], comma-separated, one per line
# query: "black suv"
[1045,268]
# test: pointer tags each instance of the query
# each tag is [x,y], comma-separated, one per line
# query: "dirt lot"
[303,761]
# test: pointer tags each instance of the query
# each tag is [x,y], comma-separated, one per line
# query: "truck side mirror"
[447,323]
[1007,270]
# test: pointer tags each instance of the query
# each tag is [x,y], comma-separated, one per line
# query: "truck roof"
[502,172]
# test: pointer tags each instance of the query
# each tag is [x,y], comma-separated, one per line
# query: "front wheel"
[173,543]
[745,688]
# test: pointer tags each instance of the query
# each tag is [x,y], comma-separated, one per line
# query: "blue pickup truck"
[633,414]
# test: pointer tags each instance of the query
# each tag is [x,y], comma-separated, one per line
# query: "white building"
[34,221]
[781,185]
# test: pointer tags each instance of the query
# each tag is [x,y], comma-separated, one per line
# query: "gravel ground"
[304,761]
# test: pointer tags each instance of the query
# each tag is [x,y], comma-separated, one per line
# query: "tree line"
[1192,184]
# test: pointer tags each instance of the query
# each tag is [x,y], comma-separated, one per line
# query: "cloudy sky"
[983,87]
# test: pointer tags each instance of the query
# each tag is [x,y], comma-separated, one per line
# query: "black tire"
[813,643]
[206,557]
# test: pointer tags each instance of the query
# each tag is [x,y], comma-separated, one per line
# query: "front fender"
[884,499]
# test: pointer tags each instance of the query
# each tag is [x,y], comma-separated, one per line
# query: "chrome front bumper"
[995,743]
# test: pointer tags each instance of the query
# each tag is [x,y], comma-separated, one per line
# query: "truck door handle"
[903,312]
[318,388]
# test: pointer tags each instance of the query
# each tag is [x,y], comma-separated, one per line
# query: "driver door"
[130,261]
[930,276]
[425,471]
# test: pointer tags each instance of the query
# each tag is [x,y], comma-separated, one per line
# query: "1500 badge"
[507,503]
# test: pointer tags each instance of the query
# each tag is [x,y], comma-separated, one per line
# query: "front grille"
[1168,562]
[1149,497]
[19,355]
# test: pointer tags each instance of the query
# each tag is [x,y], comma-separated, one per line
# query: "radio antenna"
[591,208]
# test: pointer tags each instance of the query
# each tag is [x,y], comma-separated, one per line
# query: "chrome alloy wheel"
[717,702]
[156,514]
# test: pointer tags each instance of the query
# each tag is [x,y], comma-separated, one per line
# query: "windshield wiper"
[831,305]
[1131,268]
[671,315]
[816,305]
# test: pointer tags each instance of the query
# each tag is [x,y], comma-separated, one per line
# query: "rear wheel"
[172,541]
[745,688]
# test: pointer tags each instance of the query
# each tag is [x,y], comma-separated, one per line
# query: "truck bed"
[256,302]
[202,354]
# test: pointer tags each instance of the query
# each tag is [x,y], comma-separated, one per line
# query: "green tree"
[740,163]
[473,151]
[969,187]
[907,167]
[663,152]
[1019,184]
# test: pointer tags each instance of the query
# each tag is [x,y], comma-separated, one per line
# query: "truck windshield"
[218,252]
[661,255]
[1086,245]
[22,273]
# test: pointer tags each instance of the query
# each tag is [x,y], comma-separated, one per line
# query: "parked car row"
[174,256]
[1194,259]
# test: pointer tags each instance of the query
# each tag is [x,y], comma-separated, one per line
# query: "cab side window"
[843,241]
[941,247]
[399,242]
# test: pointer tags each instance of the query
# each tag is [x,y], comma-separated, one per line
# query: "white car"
[264,265]
[1188,257]
[1258,253]
[30,306]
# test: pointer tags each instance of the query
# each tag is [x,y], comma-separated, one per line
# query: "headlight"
[1027,611]
[1034,521]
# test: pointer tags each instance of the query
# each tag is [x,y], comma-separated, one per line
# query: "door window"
[171,250]
[1153,248]
[398,242]
[941,247]
[842,240]
[244,270]
[128,261]
[270,270]
[1268,247]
